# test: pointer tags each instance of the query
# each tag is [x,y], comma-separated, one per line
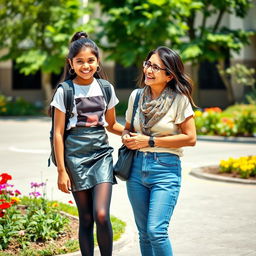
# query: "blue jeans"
[153,190]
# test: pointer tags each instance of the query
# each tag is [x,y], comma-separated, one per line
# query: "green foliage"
[36,33]
[251,96]
[144,25]
[117,224]
[121,108]
[118,227]
[240,74]
[37,221]
[141,26]
[11,106]
[238,120]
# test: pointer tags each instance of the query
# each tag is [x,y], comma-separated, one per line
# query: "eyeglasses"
[154,67]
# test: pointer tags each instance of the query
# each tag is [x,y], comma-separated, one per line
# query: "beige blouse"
[168,125]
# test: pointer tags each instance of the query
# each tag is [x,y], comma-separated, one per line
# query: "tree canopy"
[36,33]
[134,27]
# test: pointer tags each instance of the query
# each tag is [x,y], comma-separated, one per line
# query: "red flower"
[5,206]
[71,202]
[5,178]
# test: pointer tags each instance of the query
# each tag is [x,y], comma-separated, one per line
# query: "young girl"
[163,124]
[84,157]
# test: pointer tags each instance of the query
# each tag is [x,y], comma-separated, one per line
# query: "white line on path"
[30,151]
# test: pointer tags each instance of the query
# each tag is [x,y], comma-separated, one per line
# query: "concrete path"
[211,218]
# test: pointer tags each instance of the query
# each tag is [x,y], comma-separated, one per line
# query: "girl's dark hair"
[79,41]
[181,82]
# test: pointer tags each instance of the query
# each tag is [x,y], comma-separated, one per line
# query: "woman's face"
[155,72]
[85,64]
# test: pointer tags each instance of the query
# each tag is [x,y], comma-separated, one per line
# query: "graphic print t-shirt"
[89,105]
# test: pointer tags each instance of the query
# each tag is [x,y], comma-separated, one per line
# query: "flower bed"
[237,120]
[37,221]
[244,167]
[33,225]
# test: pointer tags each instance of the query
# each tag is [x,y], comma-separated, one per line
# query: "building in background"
[212,91]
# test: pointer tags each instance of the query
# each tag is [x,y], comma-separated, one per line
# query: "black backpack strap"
[106,89]
[135,106]
[69,91]
[68,95]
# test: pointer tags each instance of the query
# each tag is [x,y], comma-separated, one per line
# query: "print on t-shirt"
[90,111]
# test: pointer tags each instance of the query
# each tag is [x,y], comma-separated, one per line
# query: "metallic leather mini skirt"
[88,157]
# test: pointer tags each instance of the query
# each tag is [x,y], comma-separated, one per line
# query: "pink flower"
[35,194]
[17,192]
[37,185]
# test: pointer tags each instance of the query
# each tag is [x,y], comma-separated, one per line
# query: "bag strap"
[135,106]
[68,98]
[106,90]
[69,91]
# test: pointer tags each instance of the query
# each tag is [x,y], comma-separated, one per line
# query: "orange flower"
[213,109]
[228,122]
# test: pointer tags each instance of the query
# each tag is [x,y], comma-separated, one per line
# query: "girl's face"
[155,72]
[85,64]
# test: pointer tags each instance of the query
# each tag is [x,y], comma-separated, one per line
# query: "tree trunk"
[227,83]
[47,88]
[194,75]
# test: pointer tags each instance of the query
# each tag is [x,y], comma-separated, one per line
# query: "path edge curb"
[198,172]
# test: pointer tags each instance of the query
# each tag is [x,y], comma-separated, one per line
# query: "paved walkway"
[211,218]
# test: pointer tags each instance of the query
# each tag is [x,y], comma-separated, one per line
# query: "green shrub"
[121,108]
[11,106]
[236,120]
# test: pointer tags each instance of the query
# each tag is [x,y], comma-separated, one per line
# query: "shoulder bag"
[122,168]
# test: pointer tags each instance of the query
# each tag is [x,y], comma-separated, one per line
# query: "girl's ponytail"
[78,35]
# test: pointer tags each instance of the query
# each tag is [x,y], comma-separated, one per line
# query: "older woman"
[163,124]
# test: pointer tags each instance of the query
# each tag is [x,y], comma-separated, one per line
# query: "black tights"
[93,205]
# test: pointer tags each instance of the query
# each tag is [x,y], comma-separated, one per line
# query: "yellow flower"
[198,113]
[55,205]
[15,199]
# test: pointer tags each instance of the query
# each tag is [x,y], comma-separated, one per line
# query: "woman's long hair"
[181,82]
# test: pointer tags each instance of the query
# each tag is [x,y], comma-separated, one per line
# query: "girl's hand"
[125,135]
[64,182]
[136,141]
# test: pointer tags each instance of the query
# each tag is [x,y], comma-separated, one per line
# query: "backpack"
[68,94]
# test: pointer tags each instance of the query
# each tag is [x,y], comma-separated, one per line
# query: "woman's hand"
[64,182]
[135,141]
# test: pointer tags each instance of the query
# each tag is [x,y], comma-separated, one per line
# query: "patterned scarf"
[151,111]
